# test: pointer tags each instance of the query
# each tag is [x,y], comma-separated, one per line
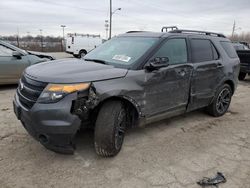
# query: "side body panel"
[154,93]
[208,76]
[11,68]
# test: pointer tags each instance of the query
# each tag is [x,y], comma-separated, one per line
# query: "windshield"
[121,51]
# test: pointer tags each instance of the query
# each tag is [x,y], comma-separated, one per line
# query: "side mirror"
[157,63]
[16,54]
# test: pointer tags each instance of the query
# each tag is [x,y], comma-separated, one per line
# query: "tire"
[221,102]
[242,76]
[110,129]
[82,53]
[76,56]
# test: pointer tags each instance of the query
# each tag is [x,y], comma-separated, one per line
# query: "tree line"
[36,43]
[242,37]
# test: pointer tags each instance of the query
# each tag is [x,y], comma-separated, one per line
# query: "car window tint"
[203,50]
[229,49]
[175,50]
[4,51]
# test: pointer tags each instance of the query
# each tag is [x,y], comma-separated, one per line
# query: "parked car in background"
[131,80]
[14,60]
[243,52]
[80,44]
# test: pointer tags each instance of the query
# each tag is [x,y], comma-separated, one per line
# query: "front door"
[167,88]
[11,67]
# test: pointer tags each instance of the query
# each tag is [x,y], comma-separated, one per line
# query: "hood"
[42,55]
[73,71]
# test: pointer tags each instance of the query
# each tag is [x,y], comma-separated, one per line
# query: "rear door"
[11,67]
[207,73]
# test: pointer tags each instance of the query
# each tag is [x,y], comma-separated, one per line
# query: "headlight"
[55,92]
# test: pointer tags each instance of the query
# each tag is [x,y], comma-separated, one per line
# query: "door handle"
[182,73]
[219,65]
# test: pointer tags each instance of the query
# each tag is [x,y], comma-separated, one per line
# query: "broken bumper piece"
[219,178]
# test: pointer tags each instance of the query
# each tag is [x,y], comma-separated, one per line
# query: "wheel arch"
[231,84]
[83,50]
[130,105]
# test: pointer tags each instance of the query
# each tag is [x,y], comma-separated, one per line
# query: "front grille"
[29,90]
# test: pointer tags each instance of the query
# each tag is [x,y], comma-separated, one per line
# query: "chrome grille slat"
[29,90]
[24,97]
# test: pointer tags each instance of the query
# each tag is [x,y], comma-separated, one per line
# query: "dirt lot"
[173,153]
[60,55]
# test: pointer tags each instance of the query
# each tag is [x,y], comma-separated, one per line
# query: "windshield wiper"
[97,61]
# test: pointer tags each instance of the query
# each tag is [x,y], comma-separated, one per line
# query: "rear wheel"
[82,53]
[110,129]
[242,76]
[221,101]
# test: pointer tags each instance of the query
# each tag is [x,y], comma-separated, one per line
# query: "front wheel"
[110,129]
[221,102]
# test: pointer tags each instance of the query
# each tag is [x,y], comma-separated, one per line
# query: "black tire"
[110,129]
[221,102]
[82,53]
[242,76]
[76,56]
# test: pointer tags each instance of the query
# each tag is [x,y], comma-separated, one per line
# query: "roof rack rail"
[167,28]
[198,32]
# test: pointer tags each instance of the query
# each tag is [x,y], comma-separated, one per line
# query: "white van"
[80,44]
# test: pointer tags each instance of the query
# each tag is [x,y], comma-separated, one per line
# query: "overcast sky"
[87,16]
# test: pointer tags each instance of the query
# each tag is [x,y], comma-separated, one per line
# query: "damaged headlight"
[55,92]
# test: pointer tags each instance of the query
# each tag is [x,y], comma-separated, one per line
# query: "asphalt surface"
[173,153]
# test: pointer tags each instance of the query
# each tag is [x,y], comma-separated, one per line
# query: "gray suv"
[131,80]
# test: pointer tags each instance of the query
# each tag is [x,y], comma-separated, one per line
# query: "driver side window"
[4,51]
[175,50]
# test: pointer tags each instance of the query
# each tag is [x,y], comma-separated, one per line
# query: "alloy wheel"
[223,100]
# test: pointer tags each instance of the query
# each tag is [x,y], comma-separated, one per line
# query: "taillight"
[72,40]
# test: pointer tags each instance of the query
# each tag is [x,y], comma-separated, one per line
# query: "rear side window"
[203,50]
[228,47]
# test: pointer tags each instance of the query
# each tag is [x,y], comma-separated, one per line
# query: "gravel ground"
[174,153]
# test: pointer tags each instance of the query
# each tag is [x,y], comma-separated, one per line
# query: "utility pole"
[110,18]
[17,37]
[233,29]
[63,43]
[63,26]
[106,28]
[41,39]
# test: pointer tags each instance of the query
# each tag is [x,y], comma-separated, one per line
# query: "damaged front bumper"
[53,125]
